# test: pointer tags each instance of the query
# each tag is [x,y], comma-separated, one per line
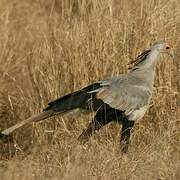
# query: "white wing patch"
[102,84]
[94,91]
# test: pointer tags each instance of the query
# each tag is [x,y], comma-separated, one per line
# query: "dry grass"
[50,48]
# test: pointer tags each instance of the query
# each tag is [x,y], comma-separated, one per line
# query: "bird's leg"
[89,131]
[125,134]
[99,121]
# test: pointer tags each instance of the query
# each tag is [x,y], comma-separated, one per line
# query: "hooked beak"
[171,54]
[169,51]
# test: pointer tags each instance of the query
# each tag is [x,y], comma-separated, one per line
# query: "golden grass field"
[49,48]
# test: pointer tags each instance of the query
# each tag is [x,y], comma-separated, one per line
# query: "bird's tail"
[62,105]
[34,118]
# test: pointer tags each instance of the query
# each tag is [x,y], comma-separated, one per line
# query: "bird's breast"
[137,114]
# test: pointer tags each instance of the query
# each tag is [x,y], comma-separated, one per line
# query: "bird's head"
[163,47]
[150,55]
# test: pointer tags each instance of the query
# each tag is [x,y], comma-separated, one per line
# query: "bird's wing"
[124,95]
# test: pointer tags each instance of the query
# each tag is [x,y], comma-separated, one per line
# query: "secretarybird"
[124,98]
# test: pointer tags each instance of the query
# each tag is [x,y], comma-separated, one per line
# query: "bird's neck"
[146,71]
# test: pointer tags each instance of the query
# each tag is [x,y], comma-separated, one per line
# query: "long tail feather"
[34,118]
[67,103]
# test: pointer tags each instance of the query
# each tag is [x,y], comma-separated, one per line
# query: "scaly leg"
[125,134]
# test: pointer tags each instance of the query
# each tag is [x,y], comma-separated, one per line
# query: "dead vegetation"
[50,48]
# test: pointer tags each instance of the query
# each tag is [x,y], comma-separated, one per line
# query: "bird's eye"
[167,47]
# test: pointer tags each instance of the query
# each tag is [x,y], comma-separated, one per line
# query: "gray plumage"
[132,92]
[124,98]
